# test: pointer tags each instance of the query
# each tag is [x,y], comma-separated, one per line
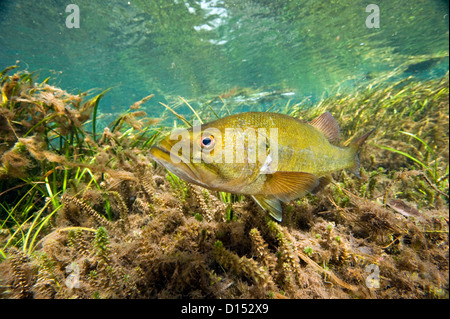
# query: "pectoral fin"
[284,186]
[287,186]
[270,205]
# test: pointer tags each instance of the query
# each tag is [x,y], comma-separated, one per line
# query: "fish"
[271,157]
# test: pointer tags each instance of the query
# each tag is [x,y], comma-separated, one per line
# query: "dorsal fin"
[328,126]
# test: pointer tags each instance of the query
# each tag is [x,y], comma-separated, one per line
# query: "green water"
[197,49]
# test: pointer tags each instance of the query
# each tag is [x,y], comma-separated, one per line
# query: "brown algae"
[86,214]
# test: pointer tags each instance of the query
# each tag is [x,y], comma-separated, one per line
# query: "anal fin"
[323,182]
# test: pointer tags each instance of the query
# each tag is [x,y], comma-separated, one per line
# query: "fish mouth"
[178,165]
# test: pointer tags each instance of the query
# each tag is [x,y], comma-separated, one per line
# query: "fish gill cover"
[85,213]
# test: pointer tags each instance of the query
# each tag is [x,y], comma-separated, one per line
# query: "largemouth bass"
[272,157]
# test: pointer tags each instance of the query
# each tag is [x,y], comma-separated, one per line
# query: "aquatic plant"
[85,214]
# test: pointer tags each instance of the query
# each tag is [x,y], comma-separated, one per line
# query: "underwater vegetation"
[86,214]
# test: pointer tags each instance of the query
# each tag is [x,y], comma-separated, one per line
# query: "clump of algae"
[87,215]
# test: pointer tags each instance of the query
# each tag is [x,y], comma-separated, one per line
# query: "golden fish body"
[270,156]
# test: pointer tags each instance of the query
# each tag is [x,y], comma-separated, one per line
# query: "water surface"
[198,49]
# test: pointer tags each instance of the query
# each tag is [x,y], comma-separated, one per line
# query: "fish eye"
[207,141]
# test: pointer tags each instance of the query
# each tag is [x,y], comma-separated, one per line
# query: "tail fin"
[356,146]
